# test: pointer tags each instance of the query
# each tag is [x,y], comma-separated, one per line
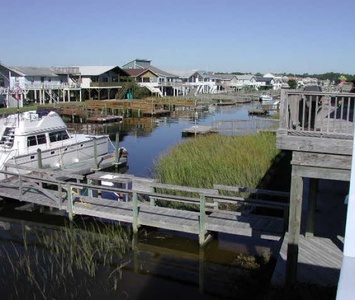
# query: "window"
[36,140]
[58,136]
[31,141]
[41,139]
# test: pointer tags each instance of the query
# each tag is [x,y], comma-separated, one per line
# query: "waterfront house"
[264,83]
[30,83]
[204,82]
[164,81]
[245,81]
[101,82]
[146,78]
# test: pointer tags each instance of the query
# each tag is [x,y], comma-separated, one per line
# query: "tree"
[292,83]
[342,78]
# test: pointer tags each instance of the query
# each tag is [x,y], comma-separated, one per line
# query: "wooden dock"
[319,261]
[141,206]
[257,111]
[198,130]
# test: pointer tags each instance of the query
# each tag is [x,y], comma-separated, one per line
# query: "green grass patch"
[218,159]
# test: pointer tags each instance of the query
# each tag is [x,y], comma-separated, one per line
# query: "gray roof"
[206,74]
[245,77]
[145,64]
[161,72]
[34,71]
[94,70]
[226,76]
[263,79]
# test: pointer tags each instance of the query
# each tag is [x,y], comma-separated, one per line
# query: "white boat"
[268,101]
[41,138]
[265,98]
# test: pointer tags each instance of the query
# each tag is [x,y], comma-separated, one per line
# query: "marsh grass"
[229,160]
[218,159]
[65,263]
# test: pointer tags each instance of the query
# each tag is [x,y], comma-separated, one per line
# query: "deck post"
[294,227]
[135,212]
[312,197]
[117,143]
[201,270]
[96,164]
[39,159]
[202,221]
[20,186]
[60,196]
[70,203]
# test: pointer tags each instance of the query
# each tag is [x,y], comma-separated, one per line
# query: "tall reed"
[61,264]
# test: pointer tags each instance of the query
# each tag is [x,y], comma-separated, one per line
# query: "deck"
[319,261]
[318,128]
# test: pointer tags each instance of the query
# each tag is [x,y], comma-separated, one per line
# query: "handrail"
[67,195]
[317,112]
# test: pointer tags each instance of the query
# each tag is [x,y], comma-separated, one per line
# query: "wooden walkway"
[319,261]
[141,208]
[319,255]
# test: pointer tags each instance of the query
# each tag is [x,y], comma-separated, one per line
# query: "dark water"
[165,265]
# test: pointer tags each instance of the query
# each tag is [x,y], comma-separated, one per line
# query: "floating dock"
[104,119]
[198,130]
[257,111]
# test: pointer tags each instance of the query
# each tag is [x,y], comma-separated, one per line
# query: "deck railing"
[317,114]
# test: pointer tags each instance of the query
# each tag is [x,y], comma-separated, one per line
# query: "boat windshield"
[58,135]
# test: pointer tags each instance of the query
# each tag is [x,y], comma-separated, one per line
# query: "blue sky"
[302,36]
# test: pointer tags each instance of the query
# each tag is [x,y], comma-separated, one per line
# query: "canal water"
[164,264]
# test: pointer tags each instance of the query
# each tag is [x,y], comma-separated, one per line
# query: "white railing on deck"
[317,112]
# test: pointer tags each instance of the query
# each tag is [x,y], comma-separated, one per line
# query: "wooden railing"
[321,112]
[140,201]
[316,122]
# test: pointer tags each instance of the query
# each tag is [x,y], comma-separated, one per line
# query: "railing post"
[70,203]
[96,164]
[202,223]
[60,196]
[135,212]
[20,186]
[90,194]
[39,159]
[117,143]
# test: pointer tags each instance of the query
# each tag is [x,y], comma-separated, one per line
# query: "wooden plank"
[314,144]
[321,173]
[321,160]
[319,261]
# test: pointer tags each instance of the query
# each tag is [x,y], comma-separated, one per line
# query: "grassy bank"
[219,159]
